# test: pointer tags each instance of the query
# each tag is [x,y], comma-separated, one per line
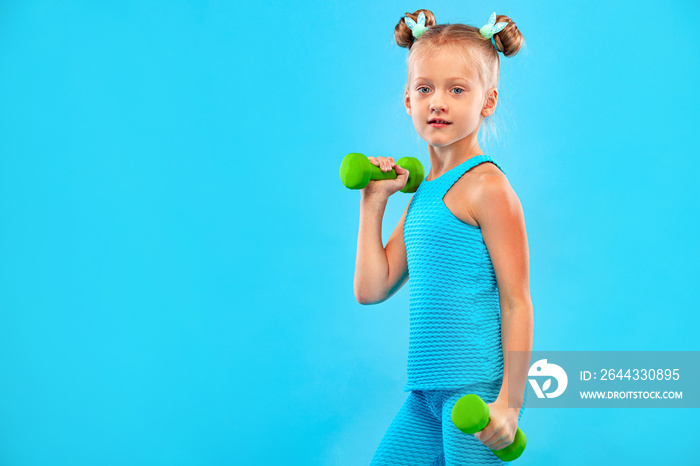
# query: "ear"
[407,102]
[490,104]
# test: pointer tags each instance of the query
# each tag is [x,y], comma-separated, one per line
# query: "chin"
[438,143]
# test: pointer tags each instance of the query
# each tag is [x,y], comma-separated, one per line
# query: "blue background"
[177,251]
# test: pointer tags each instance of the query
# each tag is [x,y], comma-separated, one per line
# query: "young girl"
[462,241]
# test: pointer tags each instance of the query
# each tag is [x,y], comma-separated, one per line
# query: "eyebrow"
[456,78]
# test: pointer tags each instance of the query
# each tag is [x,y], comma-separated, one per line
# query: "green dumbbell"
[470,414]
[356,170]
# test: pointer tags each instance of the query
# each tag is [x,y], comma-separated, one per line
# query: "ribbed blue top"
[455,317]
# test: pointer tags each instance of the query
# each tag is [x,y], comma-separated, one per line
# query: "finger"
[493,442]
[502,443]
[373,160]
[499,441]
[487,435]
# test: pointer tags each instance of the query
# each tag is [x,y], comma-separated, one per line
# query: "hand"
[500,431]
[387,187]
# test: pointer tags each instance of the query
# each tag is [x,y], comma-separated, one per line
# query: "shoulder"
[493,194]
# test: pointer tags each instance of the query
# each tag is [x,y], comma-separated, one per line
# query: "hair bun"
[509,40]
[403,34]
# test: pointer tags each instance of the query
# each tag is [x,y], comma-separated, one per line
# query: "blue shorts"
[422,432]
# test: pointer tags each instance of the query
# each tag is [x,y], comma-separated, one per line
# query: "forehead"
[443,64]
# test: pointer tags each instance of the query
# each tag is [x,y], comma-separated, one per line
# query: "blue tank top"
[455,316]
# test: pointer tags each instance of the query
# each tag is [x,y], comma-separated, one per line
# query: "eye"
[422,87]
[461,91]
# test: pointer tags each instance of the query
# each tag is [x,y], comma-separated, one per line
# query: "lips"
[438,121]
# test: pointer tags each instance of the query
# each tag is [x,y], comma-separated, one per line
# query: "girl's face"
[444,86]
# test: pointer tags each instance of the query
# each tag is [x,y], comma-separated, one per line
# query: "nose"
[437,103]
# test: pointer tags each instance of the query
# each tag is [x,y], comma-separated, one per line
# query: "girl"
[462,240]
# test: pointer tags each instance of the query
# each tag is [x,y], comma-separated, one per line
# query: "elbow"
[364,298]
[370,292]
[516,304]
[359,297]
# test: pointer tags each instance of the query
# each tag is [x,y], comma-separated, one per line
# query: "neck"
[448,157]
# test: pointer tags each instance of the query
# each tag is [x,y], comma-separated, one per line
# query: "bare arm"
[379,272]
[500,216]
